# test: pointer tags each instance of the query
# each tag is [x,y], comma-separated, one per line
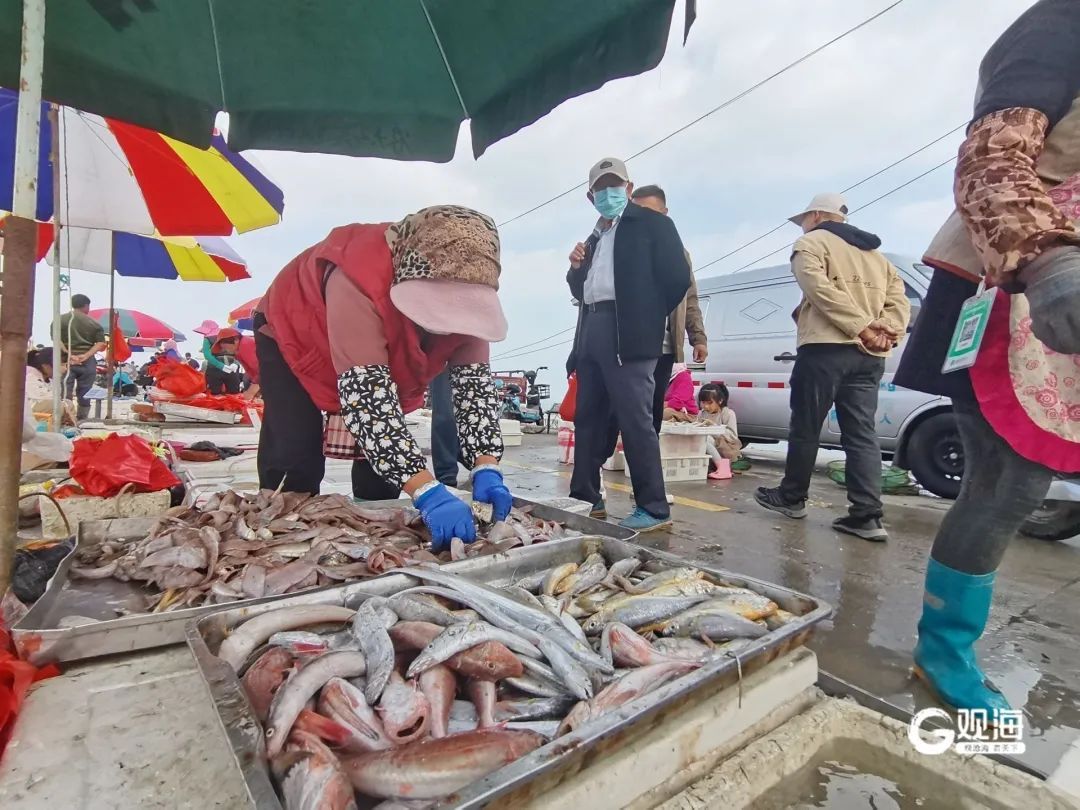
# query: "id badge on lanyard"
[970,329]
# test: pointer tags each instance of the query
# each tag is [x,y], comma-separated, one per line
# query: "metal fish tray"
[76,619]
[531,776]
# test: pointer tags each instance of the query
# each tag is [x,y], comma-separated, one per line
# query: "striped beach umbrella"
[119,177]
[135,324]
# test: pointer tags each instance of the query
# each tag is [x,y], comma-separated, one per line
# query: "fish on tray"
[245,546]
[409,698]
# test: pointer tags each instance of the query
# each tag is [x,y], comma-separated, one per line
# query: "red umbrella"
[243,312]
[135,324]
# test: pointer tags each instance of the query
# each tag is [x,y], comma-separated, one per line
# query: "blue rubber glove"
[488,487]
[446,517]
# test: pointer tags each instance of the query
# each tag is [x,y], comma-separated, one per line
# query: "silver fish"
[591,572]
[420,609]
[370,631]
[640,610]
[718,626]
[302,685]
[570,672]
[462,636]
[522,595]
[621,568]
[497,607]
[555,608]
[540,687]
[253,633]
[532,708]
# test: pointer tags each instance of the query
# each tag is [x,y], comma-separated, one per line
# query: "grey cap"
[608,165]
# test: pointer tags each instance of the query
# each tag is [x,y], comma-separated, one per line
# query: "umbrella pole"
[58,379]
[17,306]
[109,356]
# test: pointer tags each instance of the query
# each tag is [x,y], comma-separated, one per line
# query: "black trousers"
[291,438]
[445,448]
[606,386]
[826,374]
[219,381]
[80,379]
[661,374]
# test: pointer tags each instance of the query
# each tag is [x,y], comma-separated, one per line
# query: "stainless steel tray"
[48,634]
[532,775]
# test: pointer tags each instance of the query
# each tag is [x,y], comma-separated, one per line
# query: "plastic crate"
[681,469]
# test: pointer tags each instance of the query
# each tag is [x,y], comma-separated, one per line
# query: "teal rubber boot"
[955,609]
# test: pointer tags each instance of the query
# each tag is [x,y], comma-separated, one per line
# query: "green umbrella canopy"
[380,78]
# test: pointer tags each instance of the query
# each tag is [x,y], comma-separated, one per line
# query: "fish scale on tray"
[244,546]
[414,696]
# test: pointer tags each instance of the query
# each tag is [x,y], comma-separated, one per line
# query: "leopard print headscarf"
[446,242]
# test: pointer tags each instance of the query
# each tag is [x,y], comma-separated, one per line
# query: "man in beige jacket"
[853,312]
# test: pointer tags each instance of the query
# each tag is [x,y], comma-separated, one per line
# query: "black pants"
[824,374]
[444,439]
[291,438]
[604,387]
[219,381]
[661,374]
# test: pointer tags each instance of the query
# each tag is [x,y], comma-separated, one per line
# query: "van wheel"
[936,455]
[1053,520]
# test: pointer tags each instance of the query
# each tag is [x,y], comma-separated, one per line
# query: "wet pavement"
[1030,647]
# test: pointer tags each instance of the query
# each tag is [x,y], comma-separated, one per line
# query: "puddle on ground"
[841,777]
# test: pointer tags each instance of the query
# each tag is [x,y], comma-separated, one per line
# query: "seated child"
[679,405]
[713,400]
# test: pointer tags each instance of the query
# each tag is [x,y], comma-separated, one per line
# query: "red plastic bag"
[103,467]
[15,679]
[178,379]
[120,348]
[568,407]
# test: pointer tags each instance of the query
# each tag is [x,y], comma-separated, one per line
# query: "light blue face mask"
[610,202]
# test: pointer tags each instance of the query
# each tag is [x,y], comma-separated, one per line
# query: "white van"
[752,349]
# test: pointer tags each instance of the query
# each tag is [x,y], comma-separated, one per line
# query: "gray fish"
[638,611]
[716,626]
[555,608]
[497,607]
[570,672]
[540,687]
[532,708]
[420,609]
[522,595]
[537,667]
[589,573]
[621,568]
[370,630]
[182,556]
[532,582]
[460,637]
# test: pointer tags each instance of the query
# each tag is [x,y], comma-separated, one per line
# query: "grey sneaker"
[772,499]
[866,528]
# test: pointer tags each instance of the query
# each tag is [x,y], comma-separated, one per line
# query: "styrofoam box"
[616,463]
[685,468]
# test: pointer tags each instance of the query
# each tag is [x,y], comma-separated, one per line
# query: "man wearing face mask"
[628,275]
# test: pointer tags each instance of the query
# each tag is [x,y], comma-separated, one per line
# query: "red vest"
[295,309]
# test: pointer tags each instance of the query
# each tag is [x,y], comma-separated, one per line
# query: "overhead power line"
[857,210]
[505,352]
[737,97]
[865,180]
[534,351]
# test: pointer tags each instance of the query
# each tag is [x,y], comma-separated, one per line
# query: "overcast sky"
[872,98]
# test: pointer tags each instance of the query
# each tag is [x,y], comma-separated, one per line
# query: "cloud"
[880,93]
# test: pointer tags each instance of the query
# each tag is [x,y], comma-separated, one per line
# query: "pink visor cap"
[446,272]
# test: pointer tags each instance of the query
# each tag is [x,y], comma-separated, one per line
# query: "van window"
[915,300]
[759,310]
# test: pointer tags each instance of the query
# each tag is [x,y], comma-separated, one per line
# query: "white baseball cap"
[829,202]
[608,165]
